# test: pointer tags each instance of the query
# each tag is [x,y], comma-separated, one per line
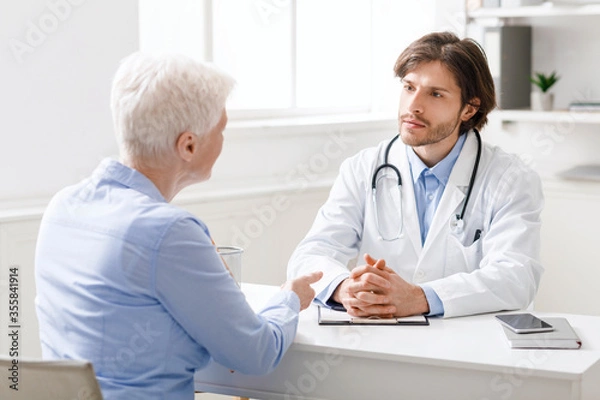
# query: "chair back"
[48,380]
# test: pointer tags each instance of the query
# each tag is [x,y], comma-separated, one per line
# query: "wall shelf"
[546,10]
[564,116]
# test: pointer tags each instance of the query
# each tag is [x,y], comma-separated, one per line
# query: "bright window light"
[292,57]
[333,53]
[255,47]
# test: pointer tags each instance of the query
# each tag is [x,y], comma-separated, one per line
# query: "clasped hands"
[374,289]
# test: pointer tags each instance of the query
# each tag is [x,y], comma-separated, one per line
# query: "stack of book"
[584,106]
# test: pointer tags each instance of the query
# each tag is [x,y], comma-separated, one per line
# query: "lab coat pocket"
[461,258]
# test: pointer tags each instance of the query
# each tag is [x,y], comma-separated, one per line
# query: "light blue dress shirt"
[429,185]
[134,284]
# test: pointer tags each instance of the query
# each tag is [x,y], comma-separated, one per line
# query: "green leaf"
[544,82]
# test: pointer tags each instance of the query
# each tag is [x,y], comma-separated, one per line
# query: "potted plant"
[543,100]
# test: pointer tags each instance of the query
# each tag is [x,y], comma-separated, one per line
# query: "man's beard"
[434,135]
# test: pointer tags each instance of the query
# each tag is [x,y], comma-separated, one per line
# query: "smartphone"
[524,323]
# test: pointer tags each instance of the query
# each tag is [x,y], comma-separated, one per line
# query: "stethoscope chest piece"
[456,224]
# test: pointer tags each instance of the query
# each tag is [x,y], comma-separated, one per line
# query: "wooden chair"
[42,380]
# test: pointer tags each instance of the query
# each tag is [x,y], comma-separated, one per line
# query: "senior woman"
[133,283]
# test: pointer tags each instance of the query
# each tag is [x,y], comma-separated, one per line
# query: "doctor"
[435,222]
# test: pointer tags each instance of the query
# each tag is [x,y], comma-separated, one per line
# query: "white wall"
[570,221]
[55,122]
[57,59]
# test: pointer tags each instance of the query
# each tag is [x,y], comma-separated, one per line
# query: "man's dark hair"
[465,59]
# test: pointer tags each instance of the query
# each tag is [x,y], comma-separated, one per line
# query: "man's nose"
[415,103]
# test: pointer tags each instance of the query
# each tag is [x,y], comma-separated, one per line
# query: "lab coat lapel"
[454,193]
[409,206]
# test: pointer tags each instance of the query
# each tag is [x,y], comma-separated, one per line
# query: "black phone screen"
[524,322]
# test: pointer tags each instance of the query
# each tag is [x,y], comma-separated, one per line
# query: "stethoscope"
[456,222]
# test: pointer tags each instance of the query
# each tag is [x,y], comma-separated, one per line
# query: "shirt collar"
[442,169]
[110,169]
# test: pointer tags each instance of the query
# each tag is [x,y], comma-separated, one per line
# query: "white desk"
[458,358]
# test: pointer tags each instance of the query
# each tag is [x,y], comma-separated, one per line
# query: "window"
[293,57]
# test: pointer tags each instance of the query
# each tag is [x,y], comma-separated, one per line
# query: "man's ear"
[470,109]
[186,145]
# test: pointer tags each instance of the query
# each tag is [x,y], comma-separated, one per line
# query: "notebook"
[328,316]
[562,337]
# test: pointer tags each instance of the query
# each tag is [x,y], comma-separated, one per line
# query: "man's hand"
[376,290]
[301,286]
[362,293]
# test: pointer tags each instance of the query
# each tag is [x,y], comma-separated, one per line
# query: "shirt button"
[420,274]
[430,197]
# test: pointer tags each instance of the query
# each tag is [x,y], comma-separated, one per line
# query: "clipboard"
[327,316]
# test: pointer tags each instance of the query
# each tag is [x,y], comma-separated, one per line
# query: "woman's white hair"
[156,98]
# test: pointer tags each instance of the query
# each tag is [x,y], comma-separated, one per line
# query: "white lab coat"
[499,271]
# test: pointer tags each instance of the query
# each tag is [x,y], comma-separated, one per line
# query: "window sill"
[209,193]
[312,124]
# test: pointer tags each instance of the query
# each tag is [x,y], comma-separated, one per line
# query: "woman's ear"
[186,145]
[470,109]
